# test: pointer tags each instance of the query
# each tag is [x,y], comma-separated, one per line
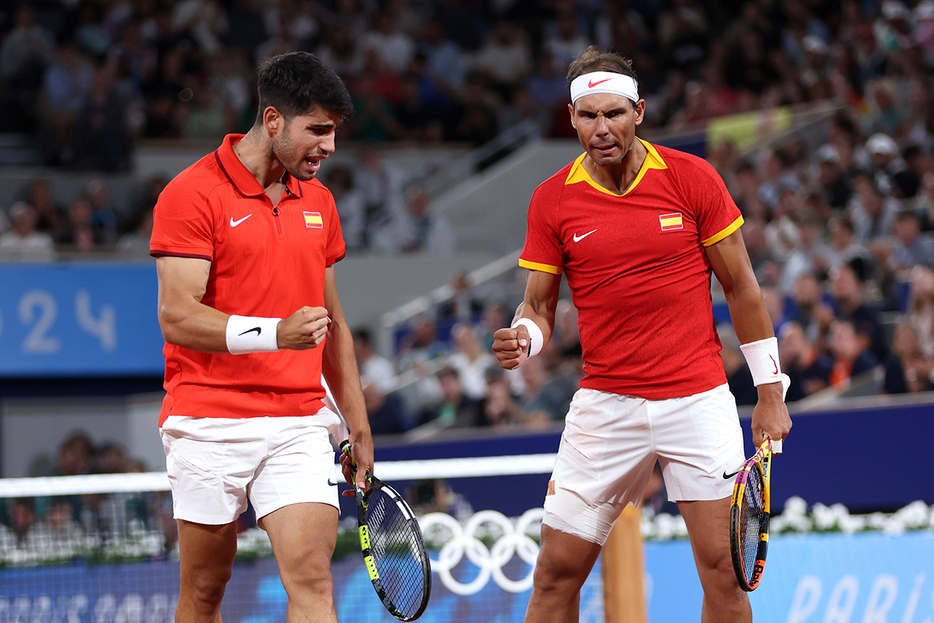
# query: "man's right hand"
[511,347]
[304,329]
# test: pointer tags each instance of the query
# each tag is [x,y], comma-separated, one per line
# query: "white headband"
[604,82]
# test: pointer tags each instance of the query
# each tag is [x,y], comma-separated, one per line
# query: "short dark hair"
[297,83]
[594,59]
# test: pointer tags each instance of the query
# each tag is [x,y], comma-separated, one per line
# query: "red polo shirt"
[637,270]
[265,261]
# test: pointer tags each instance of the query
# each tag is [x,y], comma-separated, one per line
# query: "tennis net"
[102,549]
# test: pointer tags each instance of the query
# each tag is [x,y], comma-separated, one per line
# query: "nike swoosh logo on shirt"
[234,223]
[582,236]
[591,84]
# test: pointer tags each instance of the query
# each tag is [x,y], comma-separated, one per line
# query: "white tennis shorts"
[215,464]
[610,445]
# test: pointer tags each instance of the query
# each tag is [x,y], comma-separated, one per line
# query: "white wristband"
[536,337]
[252,334]
[762,359]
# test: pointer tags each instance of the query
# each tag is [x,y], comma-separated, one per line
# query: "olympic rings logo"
[463,540]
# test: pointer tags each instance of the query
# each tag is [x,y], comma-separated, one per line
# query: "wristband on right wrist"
[762,359]
[536,337]
[252,334]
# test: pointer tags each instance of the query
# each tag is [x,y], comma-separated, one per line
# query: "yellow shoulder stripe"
[544,268]
[724,232]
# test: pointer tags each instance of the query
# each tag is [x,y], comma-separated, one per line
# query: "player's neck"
[617,177]
[259,160]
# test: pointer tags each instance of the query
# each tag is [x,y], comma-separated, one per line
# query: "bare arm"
[187,322]
[542,290]
[339,366]
[751,321]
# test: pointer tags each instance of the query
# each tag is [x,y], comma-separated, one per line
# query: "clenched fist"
[511,347]
[304,329]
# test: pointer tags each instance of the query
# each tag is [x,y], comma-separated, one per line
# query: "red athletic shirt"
[265,261]
[637,270]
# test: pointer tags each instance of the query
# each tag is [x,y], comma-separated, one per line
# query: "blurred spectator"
[104,213]
[505,58]
[135,243]
[888,169]
[847,289]
[493,316]
[464,306]
[206,119]
[75,455]
[340,51]
[445,63]
[25,53]
[455,409]
[387,412]
[374,369]
[58,530]
[851,355]
[101,138]
[67,85]
[23,242]
[470,359]
[807,367]
[908,247]
[22,520]
[907,369]
[872,210]
[543,393]
[418,350]
[50,214]
[564,40]
[500,408]
[395,48]
[78,232]
[421,231]
[207,23]
[351,208]
[810,254]
[843,243]
[835,185]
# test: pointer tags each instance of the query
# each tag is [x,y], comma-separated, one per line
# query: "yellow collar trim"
[652,161]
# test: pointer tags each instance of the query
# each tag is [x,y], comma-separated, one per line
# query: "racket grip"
[345,446]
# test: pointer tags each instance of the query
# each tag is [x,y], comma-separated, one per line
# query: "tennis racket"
[749,517]
[393,548]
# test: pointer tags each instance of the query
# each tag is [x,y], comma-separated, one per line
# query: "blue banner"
[79,320]
[820,578]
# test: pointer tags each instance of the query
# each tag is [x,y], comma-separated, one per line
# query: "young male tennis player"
[246,239]
[637,229]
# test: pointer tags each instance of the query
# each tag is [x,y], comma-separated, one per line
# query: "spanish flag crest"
[313,220]
[671,221]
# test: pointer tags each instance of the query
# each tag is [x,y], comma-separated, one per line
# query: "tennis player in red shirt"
[245,241]
[637,229]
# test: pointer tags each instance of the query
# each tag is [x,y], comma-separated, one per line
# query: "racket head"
[393,550]
[749,518]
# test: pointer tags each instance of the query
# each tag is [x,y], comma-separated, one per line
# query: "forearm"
[750,317]
[195,326]
[340,371]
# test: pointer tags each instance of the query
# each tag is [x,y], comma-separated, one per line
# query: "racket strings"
[752,517]
[396,551]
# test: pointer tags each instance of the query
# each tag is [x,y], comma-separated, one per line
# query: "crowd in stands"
[840,233]
[63,524]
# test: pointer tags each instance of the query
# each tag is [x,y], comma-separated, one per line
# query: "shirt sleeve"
[182,224]
[716,213]
[543,250]
[336,249]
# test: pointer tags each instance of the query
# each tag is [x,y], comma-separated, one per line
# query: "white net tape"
[388,471]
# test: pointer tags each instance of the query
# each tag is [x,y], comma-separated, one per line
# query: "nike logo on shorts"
[333,484]
[234,223]
[582,236]
[257,329]
[728,476]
